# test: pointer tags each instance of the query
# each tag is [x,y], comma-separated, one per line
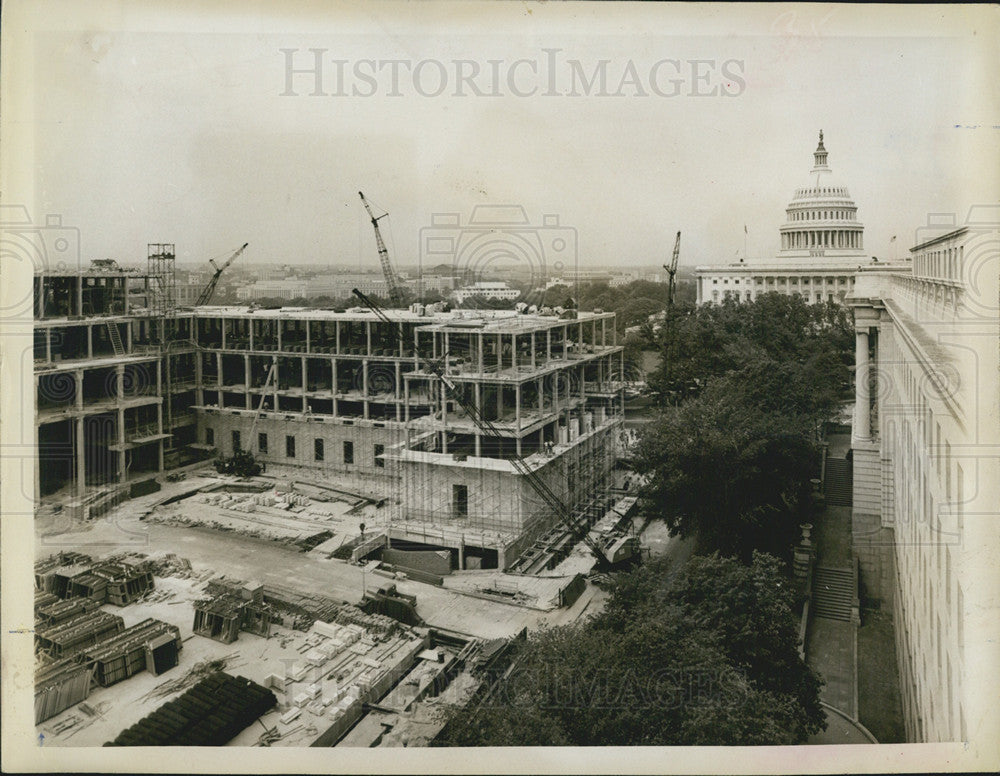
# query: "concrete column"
[121,444]
[222,323]
[277,324]
[275,383]
[119,383]
[308,341]
[478,398]
[252,327]
[517,407]
[532,351]
[305,383]
[90,341]
[444,417]
[199,391]
[159,443]
[333,384]
[406,402]
[246,380]
[128,338]
[368,337]
[862,409]
[337,348]
[48,345]
[548,344]
[81,462]
[479,348]
[565,341]
[364,378]
[79,295]
[396,392]
[218,377]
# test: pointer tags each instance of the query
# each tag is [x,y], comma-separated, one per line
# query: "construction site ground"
[237,554]
[484,604]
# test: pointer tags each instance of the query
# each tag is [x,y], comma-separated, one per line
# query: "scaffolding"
[162,288]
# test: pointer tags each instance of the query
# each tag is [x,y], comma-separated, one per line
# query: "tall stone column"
[862,408]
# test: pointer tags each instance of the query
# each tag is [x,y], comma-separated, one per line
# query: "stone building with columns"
[926,467]
[822,244]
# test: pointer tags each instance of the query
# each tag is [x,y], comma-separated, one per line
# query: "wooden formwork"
[66,638]
[125,655]
[59,686]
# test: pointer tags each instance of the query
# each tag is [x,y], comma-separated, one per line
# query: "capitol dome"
[822,219]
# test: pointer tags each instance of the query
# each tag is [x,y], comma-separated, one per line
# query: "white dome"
[822,219]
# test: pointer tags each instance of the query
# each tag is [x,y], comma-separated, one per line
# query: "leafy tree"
[660,667]
[730,471]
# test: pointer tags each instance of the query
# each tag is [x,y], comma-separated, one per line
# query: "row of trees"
[745,388]
[707,654]
[703,656]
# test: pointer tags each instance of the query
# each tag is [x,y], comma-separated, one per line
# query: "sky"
[177,124]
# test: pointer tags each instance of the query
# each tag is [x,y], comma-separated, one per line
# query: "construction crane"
[206,295]
[395,295]
[541,488]
[672,271]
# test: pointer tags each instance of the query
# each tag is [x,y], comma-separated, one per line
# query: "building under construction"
[129,386]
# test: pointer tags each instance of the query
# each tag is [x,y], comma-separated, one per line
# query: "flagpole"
[746,237]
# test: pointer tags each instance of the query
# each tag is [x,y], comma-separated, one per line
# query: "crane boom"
[206,295]
[672,271]
[395,296]
[541,488]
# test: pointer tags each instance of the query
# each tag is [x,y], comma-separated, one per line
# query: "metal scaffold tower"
[162,284]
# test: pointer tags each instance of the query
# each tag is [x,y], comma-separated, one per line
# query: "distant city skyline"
[201,139]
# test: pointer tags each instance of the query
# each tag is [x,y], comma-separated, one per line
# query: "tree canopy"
[661,666]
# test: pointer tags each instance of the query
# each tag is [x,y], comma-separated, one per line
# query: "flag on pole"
[893,239]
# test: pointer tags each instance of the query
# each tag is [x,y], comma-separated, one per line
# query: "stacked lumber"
[211,713]
[124,655]
[70,636]
[59,686]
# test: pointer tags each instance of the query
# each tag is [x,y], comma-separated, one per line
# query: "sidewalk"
[831,645]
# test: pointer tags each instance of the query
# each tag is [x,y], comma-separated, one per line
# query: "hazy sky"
[171,126]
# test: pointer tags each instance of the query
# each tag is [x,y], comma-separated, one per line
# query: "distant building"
[486,288]
[822,245]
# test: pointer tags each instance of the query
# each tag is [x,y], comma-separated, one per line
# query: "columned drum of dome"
[822,219]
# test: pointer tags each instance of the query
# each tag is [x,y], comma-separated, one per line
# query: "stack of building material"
[209,714]
[60,611]
[45,568]
[135,649]
[43,599]
[118,583]
[59,686]
[309,606]
[60,580]
[219,618]
[381,625]
[70,636]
